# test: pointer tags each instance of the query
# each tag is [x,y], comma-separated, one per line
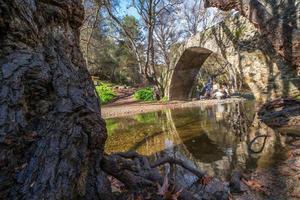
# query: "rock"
[217,190]
[235,182]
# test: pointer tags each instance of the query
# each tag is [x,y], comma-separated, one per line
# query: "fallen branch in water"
[263,146]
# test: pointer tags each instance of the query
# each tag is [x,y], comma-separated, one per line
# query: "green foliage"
[297,98]
[165,99]
[145,94]
[110,59]
[105,92]
[131,24]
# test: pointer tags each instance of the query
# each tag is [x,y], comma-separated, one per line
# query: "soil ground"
[129,106]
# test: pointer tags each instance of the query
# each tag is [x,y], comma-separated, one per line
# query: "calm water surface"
[214,139]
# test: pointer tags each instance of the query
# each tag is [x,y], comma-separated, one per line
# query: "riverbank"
[128,106]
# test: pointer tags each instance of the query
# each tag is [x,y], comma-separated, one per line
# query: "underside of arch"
[185,72]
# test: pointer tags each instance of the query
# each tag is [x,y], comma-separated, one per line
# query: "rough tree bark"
[284,37]
[51,132]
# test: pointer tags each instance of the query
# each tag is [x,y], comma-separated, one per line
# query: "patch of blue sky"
[126,9]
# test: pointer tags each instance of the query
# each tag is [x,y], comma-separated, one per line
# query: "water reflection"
[214,139]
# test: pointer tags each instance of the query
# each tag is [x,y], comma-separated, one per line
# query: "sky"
[126,9]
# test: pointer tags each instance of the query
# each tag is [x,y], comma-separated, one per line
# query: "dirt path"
[129,106]
[129,100]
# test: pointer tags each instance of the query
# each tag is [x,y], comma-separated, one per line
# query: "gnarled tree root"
[282,114]
[140,176]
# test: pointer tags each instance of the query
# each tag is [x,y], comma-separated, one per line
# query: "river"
[213,138]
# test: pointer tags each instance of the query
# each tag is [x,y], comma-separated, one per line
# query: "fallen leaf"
[116,185]
[162,190]
[166,193]
[7,141]
[205,180]
[256,185]
[139,197]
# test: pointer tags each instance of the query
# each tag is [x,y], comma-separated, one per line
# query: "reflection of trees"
[213,139]
[164,137]
[238,119]
[264,147]
[221,163]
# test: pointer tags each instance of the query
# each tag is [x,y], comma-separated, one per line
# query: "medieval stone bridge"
[237,43]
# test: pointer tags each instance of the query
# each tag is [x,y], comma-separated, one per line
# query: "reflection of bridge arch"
[173,142]
[240,156]
[221,163]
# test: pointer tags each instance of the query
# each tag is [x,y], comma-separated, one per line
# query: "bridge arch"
[238,42]
[186,71]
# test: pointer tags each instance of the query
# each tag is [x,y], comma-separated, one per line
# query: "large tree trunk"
[51,132]
[281,33]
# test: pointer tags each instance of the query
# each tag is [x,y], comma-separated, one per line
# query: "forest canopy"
[132,42]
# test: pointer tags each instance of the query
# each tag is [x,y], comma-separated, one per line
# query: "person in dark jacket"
[208,88]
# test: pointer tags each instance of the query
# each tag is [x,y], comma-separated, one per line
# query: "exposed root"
[138,175]
[281,113]
[171,160]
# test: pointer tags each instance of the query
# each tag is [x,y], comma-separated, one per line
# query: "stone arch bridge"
[236,42]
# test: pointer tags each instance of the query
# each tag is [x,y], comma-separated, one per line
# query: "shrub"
[105,92]
[165,99]
[145,94]
[298,98]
